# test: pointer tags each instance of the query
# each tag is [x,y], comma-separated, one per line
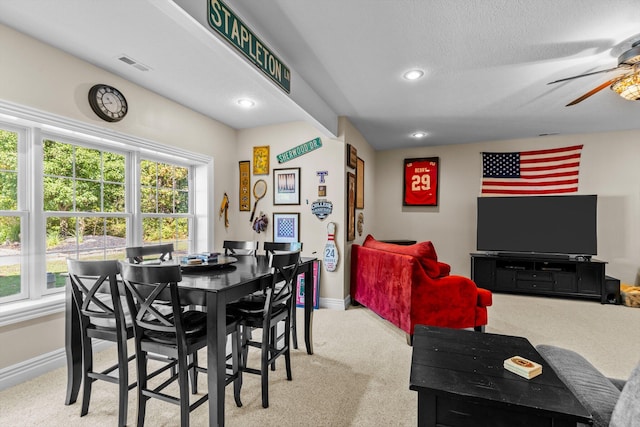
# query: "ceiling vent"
[135,64]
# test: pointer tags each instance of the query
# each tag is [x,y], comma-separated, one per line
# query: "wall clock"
[107,102]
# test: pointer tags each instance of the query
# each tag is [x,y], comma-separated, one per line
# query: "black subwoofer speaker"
[611,291]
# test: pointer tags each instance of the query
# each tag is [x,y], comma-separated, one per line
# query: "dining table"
[211,286]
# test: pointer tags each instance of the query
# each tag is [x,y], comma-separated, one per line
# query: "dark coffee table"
[461,381]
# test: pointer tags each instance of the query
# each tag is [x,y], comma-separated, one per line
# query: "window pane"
[8,170]
[88,196]
[148,200]
[113,197]
[182,202]
[151,233]
[58,194]
[181,178]
[113,167]
[58,158]
[165,201]
[181,243]
[10,250]
[148,173]
[88,163]
[8,150]
[8,191]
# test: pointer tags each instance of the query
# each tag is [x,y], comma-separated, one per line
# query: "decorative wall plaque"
[245,183]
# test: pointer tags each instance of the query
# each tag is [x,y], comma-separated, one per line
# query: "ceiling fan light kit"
[628,87]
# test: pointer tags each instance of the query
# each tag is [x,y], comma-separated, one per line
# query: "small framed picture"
[261,160]
[352,156]
[322,191]
[351,206]
[420,182]
[360,184]
[286,186]
[286,227]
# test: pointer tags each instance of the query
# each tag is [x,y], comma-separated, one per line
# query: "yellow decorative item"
[224,209]
[630,295]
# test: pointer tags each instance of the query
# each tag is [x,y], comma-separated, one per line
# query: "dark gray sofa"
[611,402]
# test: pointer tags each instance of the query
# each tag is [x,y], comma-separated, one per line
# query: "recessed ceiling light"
[246,103]
[419,134]
[413,74]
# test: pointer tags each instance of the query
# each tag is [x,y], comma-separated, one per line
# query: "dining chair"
[102,316]
[277,247]
[266,314]
[178,335]
[240,247]
[139,254]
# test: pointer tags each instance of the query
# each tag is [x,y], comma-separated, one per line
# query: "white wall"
[313,231]
[35,75]
[609,168]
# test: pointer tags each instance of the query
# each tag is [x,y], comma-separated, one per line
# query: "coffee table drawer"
[458,413]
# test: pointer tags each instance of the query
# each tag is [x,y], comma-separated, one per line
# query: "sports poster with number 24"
[421,182]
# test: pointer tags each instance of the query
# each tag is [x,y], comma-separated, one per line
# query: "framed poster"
[286,186]
[245,182]
[360,184]
[261,160]
[316,287]
[351,206]
[420,182]
[352,156]
[286,227]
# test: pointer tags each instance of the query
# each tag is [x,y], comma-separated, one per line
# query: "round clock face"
[107,102]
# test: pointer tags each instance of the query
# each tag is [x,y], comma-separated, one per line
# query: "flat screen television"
[562,225]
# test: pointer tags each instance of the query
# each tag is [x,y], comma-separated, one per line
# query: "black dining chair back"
[95,293]
[274,247]
[240,247]
[266,313]
[178,335]
[151,253]
[277,247]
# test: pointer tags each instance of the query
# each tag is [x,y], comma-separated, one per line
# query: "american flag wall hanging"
[538,172]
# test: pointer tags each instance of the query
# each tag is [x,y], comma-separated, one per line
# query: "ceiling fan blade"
[592,92]
[588,74]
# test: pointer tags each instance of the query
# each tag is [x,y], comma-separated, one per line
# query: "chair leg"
[294,329]
[287,352]
[192,359]
[273,344]
[141,366]
[87,366]
[183,385]
[236,348]
[264,368]
[123,383]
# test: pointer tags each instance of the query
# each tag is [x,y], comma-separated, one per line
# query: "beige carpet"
[358,376]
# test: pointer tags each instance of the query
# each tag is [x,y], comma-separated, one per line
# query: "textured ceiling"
[486,62]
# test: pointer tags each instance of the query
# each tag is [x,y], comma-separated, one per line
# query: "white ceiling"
[486,62]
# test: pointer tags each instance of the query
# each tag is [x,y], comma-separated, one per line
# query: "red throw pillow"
[423,251]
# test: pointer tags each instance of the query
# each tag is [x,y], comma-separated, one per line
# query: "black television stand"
[540,274]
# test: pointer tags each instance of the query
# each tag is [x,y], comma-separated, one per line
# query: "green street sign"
[224,21]
[298,151]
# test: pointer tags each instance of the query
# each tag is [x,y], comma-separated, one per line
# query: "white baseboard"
[39,365]
[335,304]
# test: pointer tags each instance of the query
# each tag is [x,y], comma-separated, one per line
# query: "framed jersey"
[421,182]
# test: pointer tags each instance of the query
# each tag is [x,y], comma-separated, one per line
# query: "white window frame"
[37,126]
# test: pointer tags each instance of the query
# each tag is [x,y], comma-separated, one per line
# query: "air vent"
[130,61]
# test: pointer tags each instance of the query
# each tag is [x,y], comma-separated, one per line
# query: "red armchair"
[408,286]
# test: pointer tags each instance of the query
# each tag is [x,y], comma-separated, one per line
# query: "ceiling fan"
[627,85]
